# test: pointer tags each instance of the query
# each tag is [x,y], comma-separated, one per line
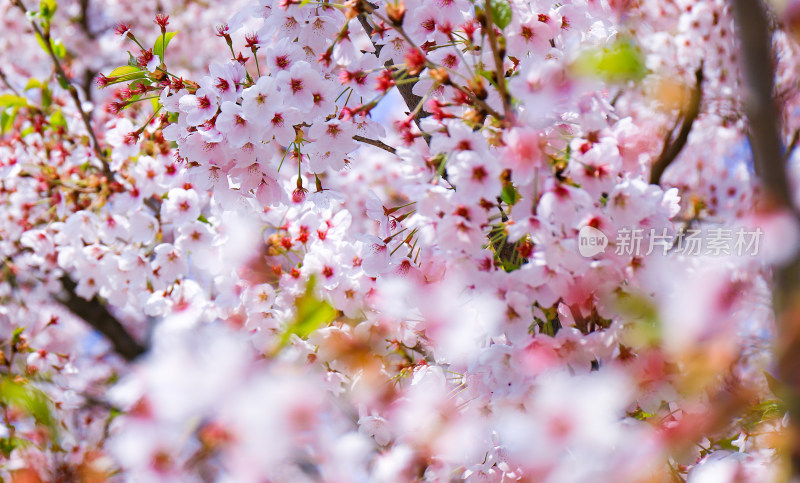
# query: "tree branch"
[498,62]
[406,90]
[7,83]
[95,313]
[762,113]
[672,149]
[73,92]
[377,144]
[765,139]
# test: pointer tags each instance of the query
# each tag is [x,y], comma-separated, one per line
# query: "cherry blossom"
[293,241]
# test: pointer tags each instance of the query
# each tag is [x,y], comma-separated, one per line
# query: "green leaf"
[47,8]
[762,412]
[42,44]
[29,399]
[203,219]
[488,75]
[58,48]
[125,70]
[17,335]
[33,84]
[774,384]
[127,73]
[501,13]
[7,119]
[311,314]
[643,314]
[161,45]
[57,119]
[621,61]
[726,443]
[510,194]
[640,414]
[47,96]
[7,445]
[10,100]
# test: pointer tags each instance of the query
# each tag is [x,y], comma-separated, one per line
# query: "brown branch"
[765,139]
[7,83]
[792,144]
[762,113]
[95,313]
[498,62]
[406,90]
[376,143]
[672,149]
[83,19]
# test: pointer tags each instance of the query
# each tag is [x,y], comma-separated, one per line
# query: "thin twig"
[8,84]
[376,143]
[406,90]
[792,144]
[672,149]
[430,65]
[83,19]
[73,92]
[498,62]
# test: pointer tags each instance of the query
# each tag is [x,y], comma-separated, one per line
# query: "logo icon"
[591,241]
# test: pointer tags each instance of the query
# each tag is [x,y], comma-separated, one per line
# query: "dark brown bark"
[673,147]
[406,90]
[766,142]
[95,313]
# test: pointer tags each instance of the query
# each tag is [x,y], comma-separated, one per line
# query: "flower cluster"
[347,249]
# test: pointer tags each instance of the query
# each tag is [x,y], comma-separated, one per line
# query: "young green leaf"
[29,399]
[10,100]
[501,13]
[33,83]
[621,61]
[312,313]
[57,119]
[161,45]
[127,73]
[47,8]
[510,194]
[7,119]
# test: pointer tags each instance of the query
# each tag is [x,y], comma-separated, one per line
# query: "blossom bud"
[441,76]
[476,86]
[299,195]
[474,116]
[396,12]
[480,16]
[415,61]
[385,81]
